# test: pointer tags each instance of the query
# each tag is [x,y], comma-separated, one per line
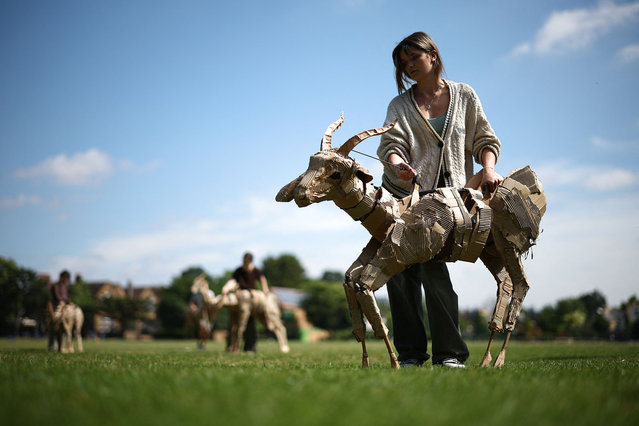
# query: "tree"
[216,283]
[174,299]
[181,285]
[593,303]
[473,325]
[547,320]
[326,306]
[571,315]
[596,323]
[581,316]
[80,294]
[171,312]
[34,300]
[22,294]
[333,276]
[284,271]
[126,309]
[629,310]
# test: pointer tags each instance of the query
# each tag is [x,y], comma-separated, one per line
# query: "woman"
[441,128]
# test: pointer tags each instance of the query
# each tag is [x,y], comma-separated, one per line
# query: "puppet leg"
[499,362]
[391,353]
[233,340]
[485,362]
[354,308]
[280,333]
[245,313]
[367,302]
[273,321]
[79,319]
[59,331]
[204,329]
[357,318]
[495,265]
[521,285]
[68,331]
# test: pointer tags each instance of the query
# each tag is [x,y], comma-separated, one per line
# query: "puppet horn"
[328,135]
[346,148]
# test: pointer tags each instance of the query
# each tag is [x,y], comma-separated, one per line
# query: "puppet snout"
[287,193]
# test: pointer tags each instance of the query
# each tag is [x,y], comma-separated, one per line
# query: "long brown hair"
[419,40]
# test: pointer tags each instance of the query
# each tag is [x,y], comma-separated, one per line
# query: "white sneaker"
[453,363]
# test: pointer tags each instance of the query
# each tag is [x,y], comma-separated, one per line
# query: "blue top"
[438,124]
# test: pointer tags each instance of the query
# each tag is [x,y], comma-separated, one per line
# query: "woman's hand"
[401,168]
[490,180]
[404,171]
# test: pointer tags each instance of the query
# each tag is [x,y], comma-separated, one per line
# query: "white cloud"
[611,179]
[629,53]
[600,142]
[620,147]
[361,3]
[83,168]
[578,28]
[129,165]
[20,201]
[599,178]
[522,49]
[79,169]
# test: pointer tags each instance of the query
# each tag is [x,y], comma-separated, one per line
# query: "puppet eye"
[336,176]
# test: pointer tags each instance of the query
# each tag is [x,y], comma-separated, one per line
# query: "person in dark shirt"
[60,292]
[245,278]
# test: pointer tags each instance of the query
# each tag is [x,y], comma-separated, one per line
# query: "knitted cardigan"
[466,134]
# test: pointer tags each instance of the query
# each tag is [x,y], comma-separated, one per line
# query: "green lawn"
[118,382]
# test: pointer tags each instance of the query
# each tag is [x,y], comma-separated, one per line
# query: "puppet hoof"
[486,361]
[499,362]
[394,363]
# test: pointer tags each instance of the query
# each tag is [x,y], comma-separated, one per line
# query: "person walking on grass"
[245,278]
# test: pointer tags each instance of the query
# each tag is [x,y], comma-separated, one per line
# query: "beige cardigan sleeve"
[484,136]
[396,140]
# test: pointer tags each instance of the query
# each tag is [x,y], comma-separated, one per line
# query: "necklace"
[432,99]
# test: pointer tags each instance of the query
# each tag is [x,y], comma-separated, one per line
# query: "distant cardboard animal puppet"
[242,304]
[66,320]
[447,224]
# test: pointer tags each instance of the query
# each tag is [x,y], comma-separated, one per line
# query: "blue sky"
[140,138]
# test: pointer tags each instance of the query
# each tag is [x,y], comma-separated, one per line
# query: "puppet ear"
[286,193]
[364,175]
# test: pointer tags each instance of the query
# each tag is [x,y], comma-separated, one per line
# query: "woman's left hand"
[490,180]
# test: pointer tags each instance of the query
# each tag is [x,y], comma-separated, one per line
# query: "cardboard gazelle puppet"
[447,225]
[242,304]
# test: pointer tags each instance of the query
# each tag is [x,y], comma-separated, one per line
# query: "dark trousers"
[250,334]
[409,330]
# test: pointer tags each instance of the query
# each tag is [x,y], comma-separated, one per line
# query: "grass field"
[117,382]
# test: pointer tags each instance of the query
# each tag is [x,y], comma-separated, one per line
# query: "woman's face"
[416,63]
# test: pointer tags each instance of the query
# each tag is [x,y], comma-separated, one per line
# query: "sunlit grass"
[169,382]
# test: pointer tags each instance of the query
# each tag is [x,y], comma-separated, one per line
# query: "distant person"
[59,293]
[245,278]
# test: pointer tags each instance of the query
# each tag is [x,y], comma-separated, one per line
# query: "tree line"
[23,294]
